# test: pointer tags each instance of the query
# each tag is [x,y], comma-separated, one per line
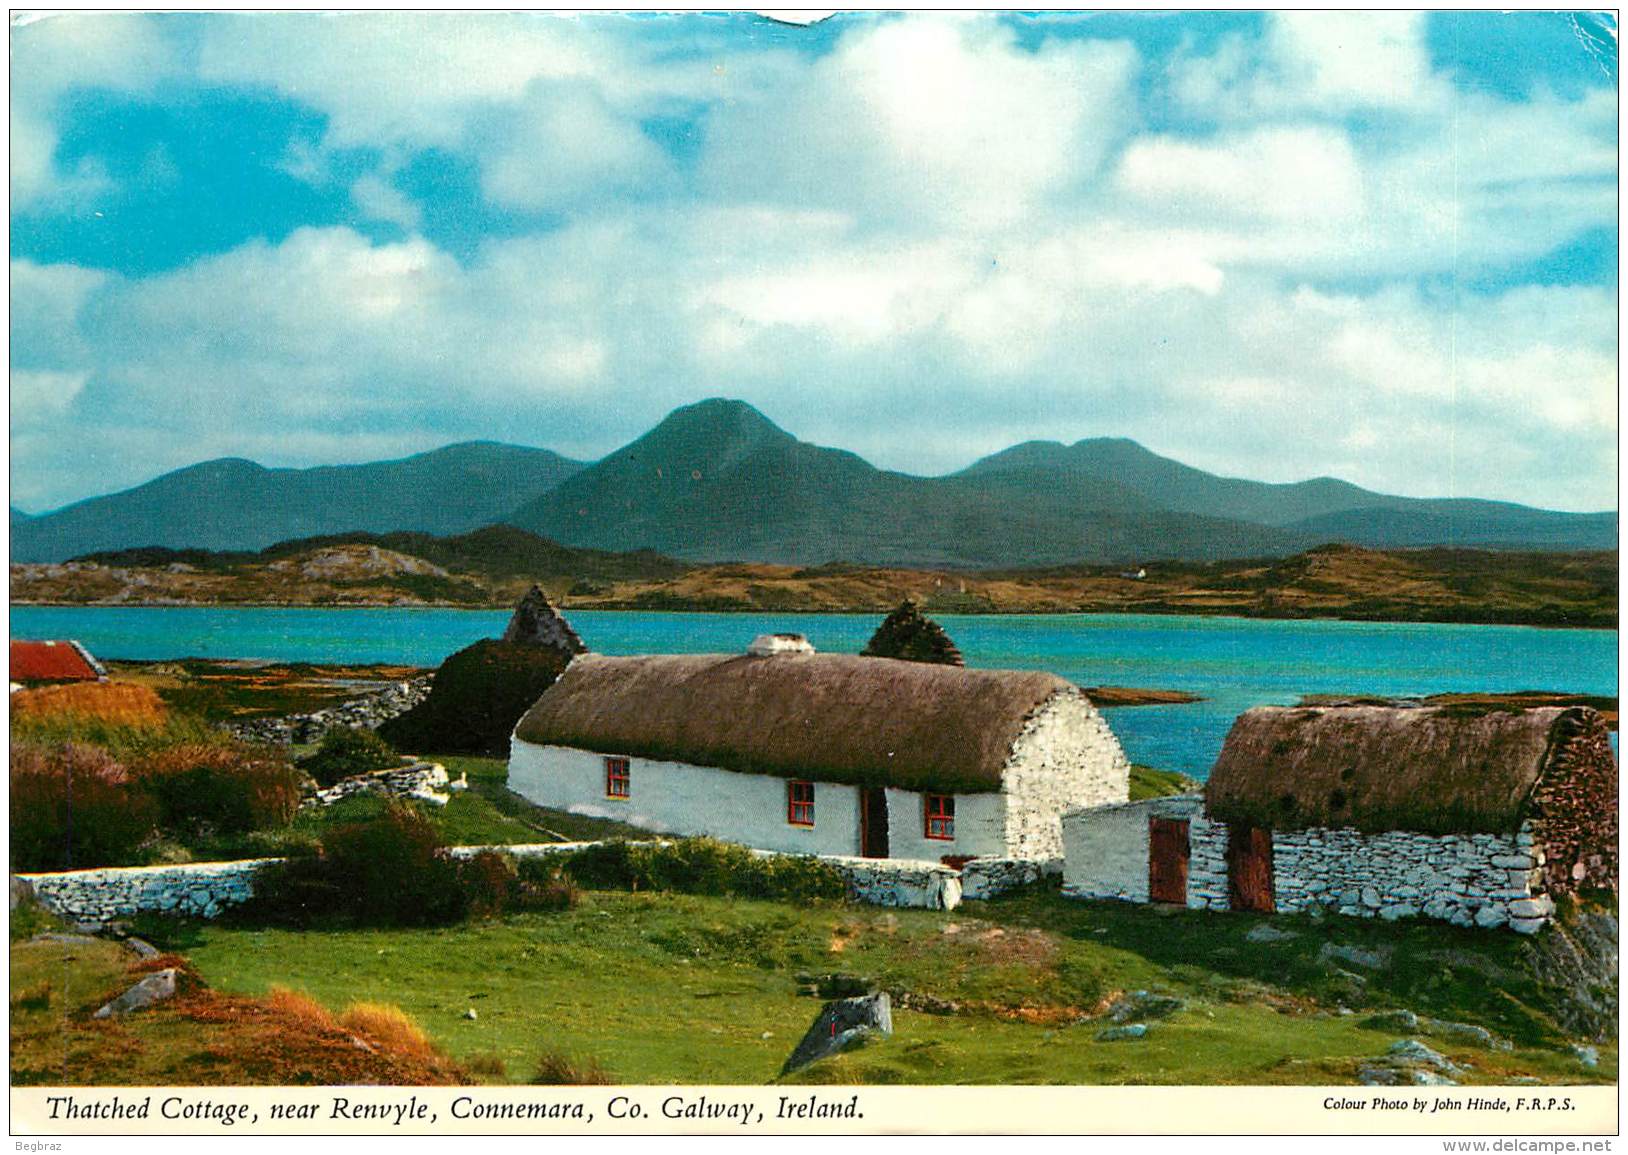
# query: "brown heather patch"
[117,703]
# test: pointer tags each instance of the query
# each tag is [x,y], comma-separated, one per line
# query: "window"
[617,778]
[800,803]
[941,816]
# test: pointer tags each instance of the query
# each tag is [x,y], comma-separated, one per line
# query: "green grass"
[678,988]
[1146,782]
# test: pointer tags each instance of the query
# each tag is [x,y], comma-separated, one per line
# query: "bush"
[489,883]
[555,1070]
[705,866]
[74,807]
[345,752]
[542,886]
[477,697]
[220,787]
[389,1026]
[392,871]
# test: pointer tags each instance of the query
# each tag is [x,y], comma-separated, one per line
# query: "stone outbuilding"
[1475,816]
[782,748]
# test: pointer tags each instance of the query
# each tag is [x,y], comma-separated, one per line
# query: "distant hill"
[232,504]
[719,481]
[1323,509]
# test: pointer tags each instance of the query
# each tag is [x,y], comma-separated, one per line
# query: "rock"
[1588,1056]
[1375,959]
[1381,1077]
[1403,1020]
[1467,1033]
[67,939]
[142,947]
[1118,1034]
[1266,932]
[1527,925]
[841,1025]
[22,891]
[1142,1005]
[1490,918]
[155,988]
[471,1014]
[1540,907]
[1412,1051]
[1398,910]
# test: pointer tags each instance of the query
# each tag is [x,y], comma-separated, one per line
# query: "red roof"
[52,662]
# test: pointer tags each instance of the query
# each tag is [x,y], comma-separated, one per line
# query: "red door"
[873,842]
[1249,868]
[1167,860]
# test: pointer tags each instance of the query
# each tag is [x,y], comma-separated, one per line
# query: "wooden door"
[1167,860]
[1249,868]
[873,822]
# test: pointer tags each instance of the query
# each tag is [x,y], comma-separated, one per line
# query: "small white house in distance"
[785,749]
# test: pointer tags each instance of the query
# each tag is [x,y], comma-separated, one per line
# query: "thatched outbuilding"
[1470,814]
[912,636]
[787,749]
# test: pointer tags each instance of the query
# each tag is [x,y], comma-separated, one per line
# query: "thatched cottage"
[785,749]
[1475,817]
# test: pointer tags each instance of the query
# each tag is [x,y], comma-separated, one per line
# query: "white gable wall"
[1065,759]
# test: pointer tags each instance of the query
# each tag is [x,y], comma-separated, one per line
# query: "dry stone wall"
[367,711]
[196,890]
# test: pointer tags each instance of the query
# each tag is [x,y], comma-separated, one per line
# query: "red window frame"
[939,817]
[618,778]
[799,803]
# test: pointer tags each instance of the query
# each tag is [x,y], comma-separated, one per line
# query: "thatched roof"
[1437,770]
[827,717]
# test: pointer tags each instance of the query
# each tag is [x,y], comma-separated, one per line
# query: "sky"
[1377,246]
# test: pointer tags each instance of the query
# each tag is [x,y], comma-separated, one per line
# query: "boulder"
[1402,1020]
[1266,932]
[22,892]
[1144,1006]
[1119,1034]
[1412,1052]
[1375,959]
[841,1025]
[155,988]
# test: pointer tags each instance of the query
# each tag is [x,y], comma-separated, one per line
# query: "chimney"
[768,645]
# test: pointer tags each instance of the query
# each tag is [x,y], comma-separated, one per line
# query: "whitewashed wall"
[980,826]
[1105,849]
[677,798]
[1065,758]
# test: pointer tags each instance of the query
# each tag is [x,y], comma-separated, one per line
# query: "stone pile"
[367,711]
[419,781]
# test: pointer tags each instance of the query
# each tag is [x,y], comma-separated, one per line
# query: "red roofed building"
[53,661]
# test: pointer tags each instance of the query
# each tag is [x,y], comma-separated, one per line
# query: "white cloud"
[925,117]
[380,200]
[49,57]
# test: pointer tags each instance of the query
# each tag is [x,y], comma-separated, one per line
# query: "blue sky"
[1380,246]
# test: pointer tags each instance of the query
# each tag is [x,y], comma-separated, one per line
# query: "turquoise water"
[1234,663]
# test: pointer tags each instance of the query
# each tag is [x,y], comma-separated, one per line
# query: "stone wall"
[199,890]
[367,711]
[205,889]
[1064,759]
[419,780]
[988,877]
[1485,880]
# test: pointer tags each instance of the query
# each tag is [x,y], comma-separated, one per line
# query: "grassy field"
[669,988]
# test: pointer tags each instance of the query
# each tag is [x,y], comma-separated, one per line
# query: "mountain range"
[719,481]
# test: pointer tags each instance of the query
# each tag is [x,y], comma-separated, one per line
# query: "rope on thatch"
[911,636]
[1436,770]
[825,717]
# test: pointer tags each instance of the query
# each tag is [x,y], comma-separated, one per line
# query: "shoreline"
[568,606]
